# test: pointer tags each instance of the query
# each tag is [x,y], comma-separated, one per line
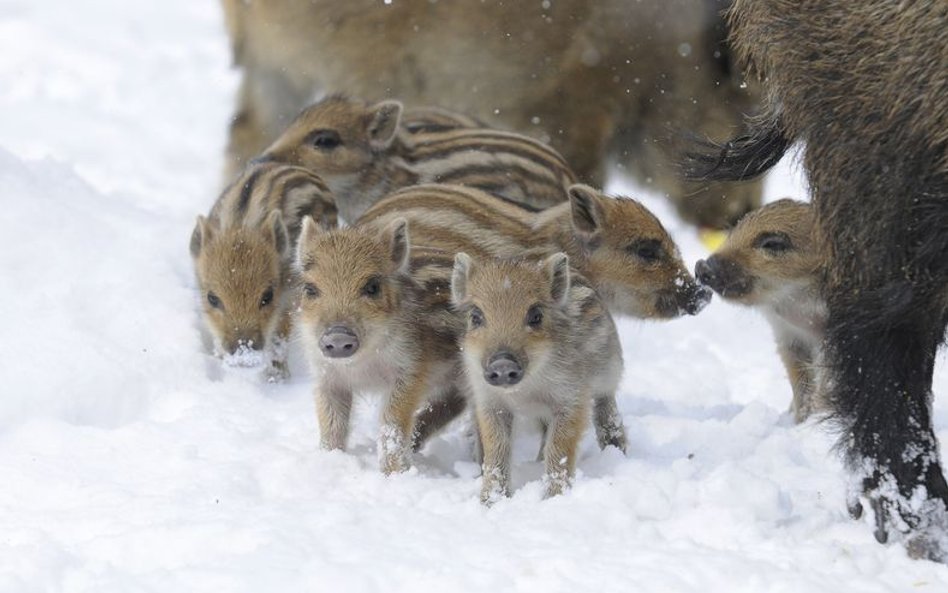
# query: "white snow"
[131,460]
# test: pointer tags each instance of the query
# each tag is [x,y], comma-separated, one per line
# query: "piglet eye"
[372,288]
[535,316]
[325,139]
[773,243]
[477,317]
[647,250]
[214,301]
[310,290]
[266,298]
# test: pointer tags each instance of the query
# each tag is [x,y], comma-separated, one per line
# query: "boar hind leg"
[439,412]
[279,370]
[881,394]
[608,422]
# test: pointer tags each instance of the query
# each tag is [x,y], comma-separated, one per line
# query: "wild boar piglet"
[540,344]
[370,327]
[242,253]
[770,262]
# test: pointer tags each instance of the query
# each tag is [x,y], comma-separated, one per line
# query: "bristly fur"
[771,262]
[242,256]
[616,244]
[378,148]
[863,86]
[571,360]
[403,328]
[740,159]
[600,80]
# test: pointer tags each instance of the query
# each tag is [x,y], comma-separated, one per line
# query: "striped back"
[421,120]
[265,186]
[450,219]
[511,166]
[616,243]
[447,219]
[366,151]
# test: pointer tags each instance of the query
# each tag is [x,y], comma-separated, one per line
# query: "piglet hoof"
[490,497]
[277,372]
[555,484]
[394,464]
[493,487]
[611,434]
[618,441]
[394,451]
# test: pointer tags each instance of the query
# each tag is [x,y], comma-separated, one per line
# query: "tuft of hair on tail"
[739,159]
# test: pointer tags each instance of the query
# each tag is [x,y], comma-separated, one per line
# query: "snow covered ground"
[130,461]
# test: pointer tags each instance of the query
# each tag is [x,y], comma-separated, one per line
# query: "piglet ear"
[459,276]
[308,232]
[384,119]
[200,236]
[275,231]
[400,243]
[557,266]
[585,209]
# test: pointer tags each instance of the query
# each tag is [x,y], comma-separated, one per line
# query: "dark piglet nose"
[715,273]
[697,299]
[503,369]
[724,276]
[339,342]
[254,343]
[704,272]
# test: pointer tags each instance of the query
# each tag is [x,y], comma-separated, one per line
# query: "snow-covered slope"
[131,461]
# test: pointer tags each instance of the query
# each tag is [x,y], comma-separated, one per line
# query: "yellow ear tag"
[712,239]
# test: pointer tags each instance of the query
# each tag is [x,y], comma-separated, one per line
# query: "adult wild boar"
[864,87]
[598,79]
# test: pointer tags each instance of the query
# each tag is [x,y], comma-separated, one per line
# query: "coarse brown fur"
[365,151]
[429,118]
[242,256]
[771,262]
[369,326]
[600,80]
[539,343]
[616,244]
[863,86]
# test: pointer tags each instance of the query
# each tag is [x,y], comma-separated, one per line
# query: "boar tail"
[739,159]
